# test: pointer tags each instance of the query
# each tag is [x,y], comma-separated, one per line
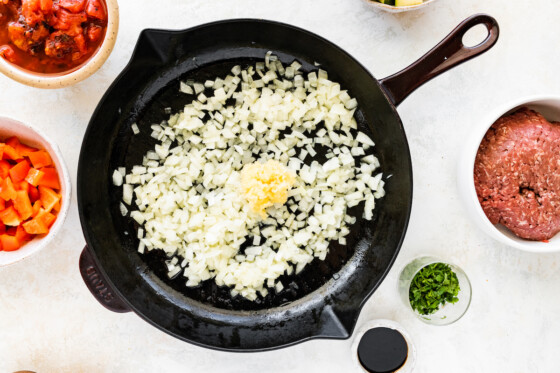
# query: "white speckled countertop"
[49,322]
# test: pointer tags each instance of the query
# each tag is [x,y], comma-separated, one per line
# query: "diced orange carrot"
[48,197]
[33,176]
[35,226]
[22,185]
[56,207]
[2,204]
[33,194]
[19,171]
[4,169]
[50,219]
[22,204]
[22,235]
[10,153]
[7,190]
[2,149]
[12,141]
[25,150]
[9,243]
[49,178]
[36,208]
[46,218]
[10,217]
[40,158]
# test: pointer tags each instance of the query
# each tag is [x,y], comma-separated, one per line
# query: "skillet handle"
[449,53]
[98,284]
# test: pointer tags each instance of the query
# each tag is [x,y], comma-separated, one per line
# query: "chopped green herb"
[432,287]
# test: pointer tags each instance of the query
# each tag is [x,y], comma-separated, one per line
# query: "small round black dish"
[382,350]
[383,346]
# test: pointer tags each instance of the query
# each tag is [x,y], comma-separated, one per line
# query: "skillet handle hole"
[475,36]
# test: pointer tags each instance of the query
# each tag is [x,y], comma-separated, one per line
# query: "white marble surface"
[49,322]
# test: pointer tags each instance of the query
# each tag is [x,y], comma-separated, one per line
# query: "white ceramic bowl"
[549,107]
[82,72]
[394,9]
[34,137]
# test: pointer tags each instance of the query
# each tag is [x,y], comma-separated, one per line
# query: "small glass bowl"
[448,313]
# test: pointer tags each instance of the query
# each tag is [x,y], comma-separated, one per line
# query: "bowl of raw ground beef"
[509,174]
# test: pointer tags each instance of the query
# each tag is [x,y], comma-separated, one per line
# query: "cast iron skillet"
[324,301]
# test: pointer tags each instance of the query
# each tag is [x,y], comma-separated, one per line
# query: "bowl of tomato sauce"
[56,43]
[35,190]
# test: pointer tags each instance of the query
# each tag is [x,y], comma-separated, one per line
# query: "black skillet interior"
[325,299]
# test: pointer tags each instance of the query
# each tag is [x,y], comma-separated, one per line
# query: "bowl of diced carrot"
[35,191]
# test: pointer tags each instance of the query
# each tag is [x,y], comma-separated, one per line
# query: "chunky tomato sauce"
[51,36]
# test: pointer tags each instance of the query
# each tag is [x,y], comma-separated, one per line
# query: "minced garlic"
[266,184]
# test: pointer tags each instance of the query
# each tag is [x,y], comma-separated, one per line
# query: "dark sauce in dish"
[382,350]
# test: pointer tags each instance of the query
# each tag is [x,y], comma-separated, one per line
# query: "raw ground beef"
[517,174]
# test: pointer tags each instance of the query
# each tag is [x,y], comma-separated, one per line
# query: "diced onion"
[127,194]
[117,178]
[186,193]
[124,210]
[186,89]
